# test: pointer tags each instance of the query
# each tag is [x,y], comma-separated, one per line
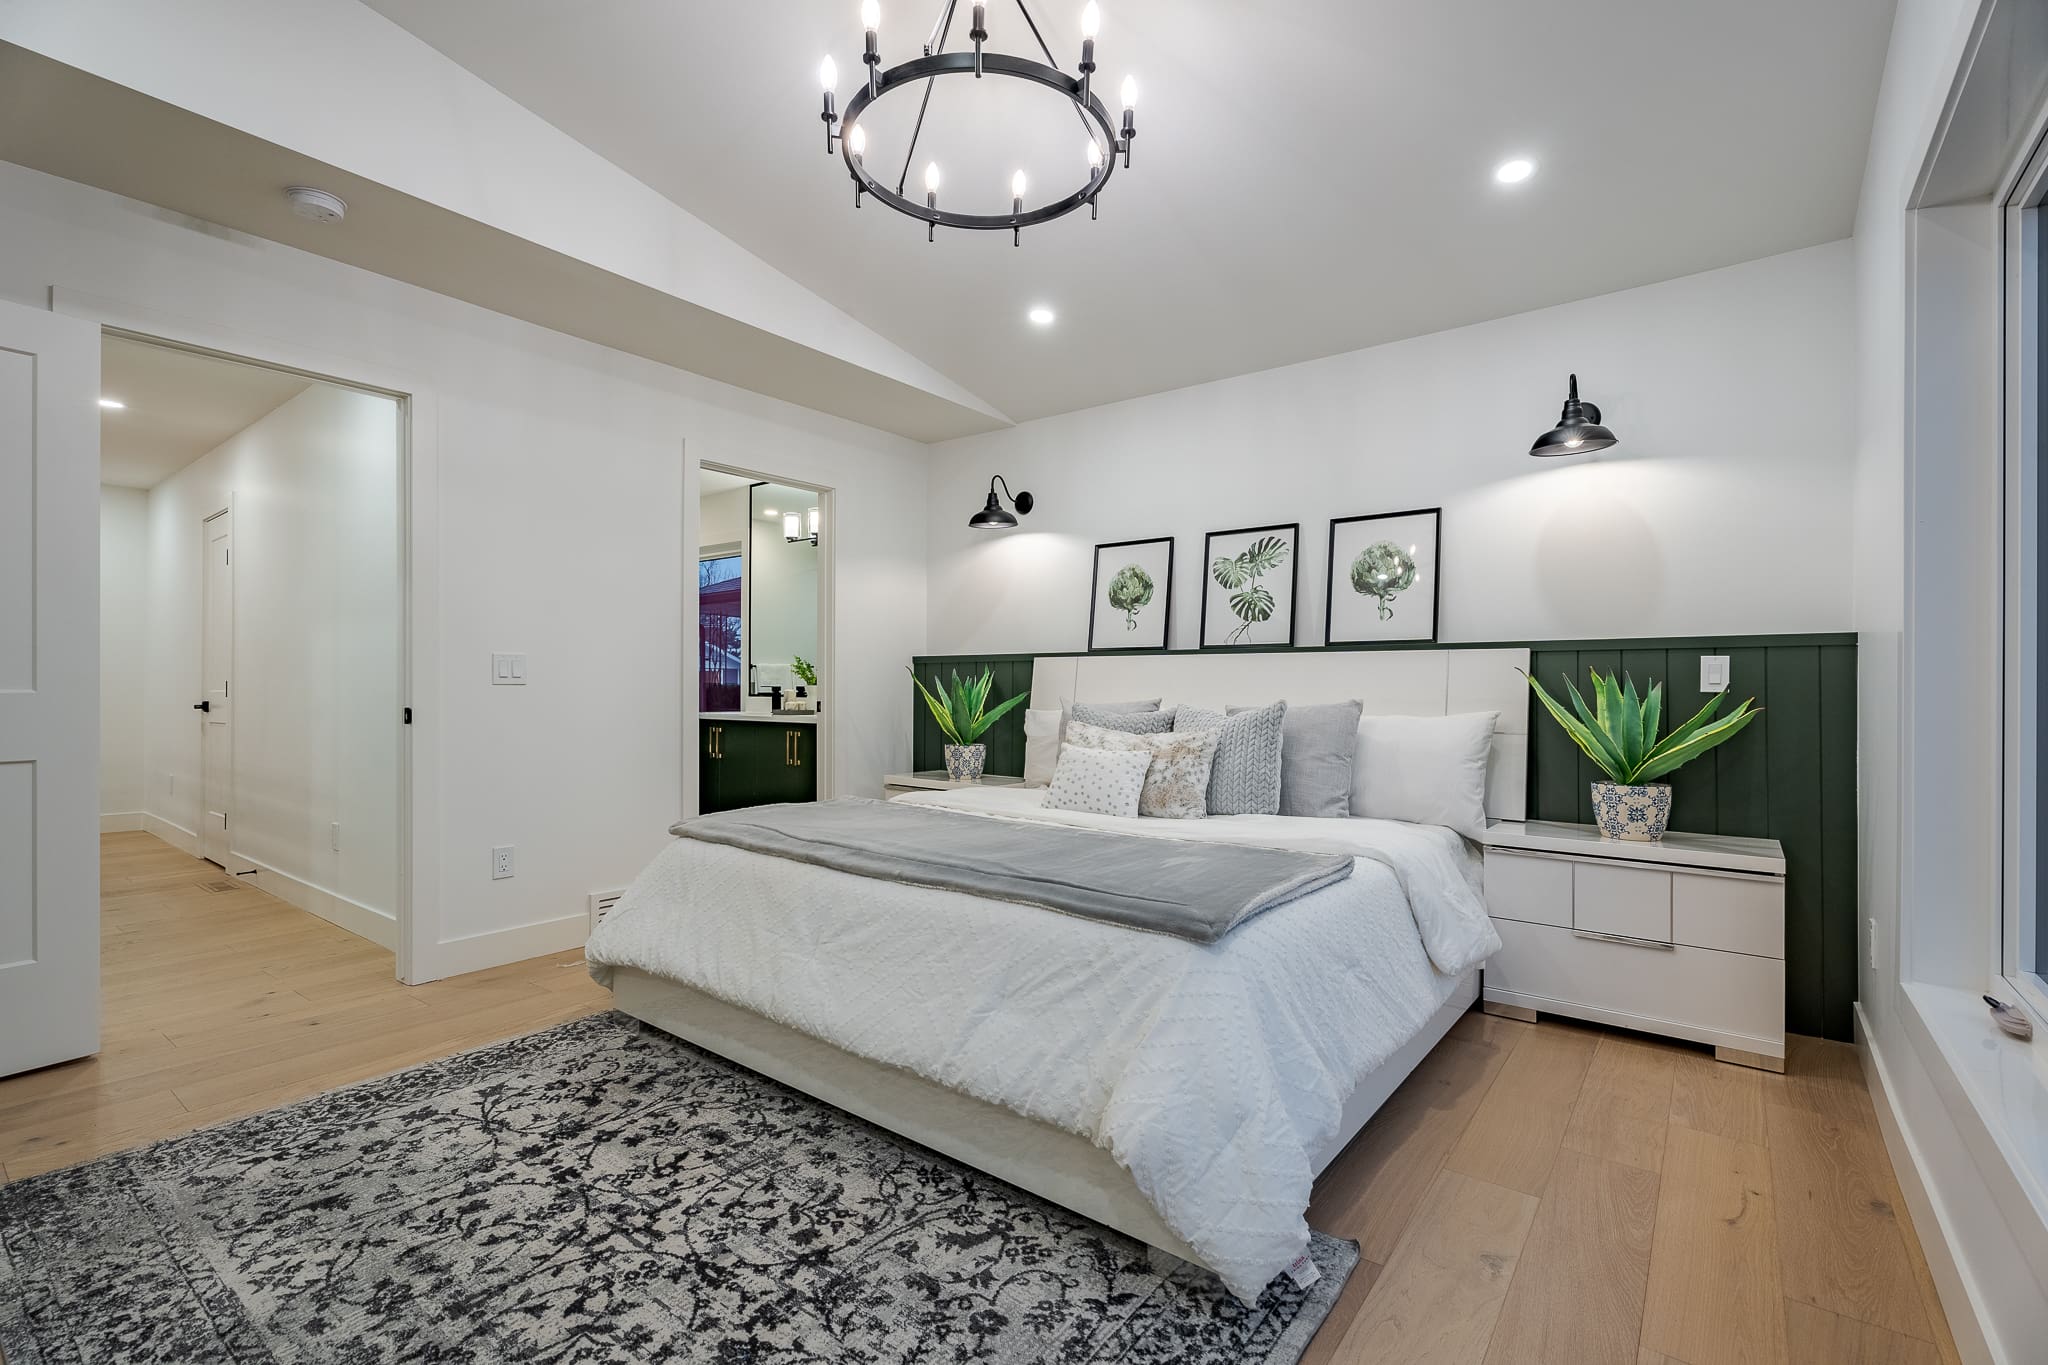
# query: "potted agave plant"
[963,718]
[1619,733]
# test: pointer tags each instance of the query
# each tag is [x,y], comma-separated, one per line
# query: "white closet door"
[49,688]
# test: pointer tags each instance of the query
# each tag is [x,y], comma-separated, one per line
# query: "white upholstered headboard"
[1391,682]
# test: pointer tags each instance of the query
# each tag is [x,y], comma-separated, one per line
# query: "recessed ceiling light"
[1041,316]
[113,403]
[1514,172]
[770,512]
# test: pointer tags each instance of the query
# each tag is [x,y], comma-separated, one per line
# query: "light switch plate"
[501,862]
[508,670]
[1713,672]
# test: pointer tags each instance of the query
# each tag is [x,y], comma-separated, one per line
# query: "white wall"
[562,535]
[722,519]
[124,542]
[317,631]
[1721,510]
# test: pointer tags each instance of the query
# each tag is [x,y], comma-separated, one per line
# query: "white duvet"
[1211,1072]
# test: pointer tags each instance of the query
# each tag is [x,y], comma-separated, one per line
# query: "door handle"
[203,706]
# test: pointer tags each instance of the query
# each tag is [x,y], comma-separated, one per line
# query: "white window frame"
[2023,227]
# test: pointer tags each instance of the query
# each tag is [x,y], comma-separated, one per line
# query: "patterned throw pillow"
[1177,782]
[1104,781]
[1245,779]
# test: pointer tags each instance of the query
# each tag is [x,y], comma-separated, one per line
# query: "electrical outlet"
[1713,672]
[501,862]
[334,835]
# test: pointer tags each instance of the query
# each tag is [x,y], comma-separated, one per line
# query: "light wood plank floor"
[1534,1193]
[219,1000]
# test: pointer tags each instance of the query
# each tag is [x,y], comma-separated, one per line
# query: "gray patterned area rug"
[598,1192]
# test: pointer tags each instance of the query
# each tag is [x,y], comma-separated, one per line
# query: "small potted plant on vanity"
[1619,733]
[963,719]
[806,679]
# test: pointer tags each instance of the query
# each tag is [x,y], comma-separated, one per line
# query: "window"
[718,633]
[2025,948]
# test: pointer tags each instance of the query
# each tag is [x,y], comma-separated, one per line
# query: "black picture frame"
[1436,578]
[1292,530]
[1095,589]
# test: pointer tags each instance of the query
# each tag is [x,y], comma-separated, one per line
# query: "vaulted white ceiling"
[1309,177]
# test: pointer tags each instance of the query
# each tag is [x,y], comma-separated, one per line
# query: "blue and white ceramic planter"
[964,762]
[1638,814]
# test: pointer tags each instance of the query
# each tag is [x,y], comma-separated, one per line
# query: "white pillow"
[1041,745]
[1430,770]
[1177,782]
[1104,781]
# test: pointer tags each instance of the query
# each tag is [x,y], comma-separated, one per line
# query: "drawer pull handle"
[1624,938]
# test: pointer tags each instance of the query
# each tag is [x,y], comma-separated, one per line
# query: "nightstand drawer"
[1537,890]
[1727,999]
[1734,914]
[1627,902]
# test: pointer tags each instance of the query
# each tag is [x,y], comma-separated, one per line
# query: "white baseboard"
[1935,1231]
[497,947]
[177,836]
[378,926]
[120,822]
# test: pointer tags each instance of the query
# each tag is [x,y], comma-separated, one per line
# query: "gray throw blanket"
[1195,891]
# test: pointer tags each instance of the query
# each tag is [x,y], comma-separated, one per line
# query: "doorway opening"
[252,525]
[763,681]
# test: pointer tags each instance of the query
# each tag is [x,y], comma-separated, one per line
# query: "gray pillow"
[1317,747]
[1131,717]
[1246,777]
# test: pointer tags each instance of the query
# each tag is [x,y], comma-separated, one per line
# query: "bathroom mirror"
[757,590]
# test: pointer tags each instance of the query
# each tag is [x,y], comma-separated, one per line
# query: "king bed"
[1184,1092]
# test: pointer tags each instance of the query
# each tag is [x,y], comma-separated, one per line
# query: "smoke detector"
[316,206]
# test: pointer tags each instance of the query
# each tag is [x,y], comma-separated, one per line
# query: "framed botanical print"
[1384,578]
[1130,600]
[1248,582]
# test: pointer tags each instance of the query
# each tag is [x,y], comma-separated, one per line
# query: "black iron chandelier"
[1107,140]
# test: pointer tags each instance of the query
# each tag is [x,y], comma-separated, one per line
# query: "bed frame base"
[1049,1162]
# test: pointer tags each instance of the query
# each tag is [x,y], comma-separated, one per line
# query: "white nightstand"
[935,780]
[1684,938]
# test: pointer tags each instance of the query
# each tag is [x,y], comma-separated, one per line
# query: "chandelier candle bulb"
[1130,99]
[1091,24]
[931,198]
[1017,207]
[828,76]
[871,21]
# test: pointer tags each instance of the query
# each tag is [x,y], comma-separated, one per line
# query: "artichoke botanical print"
[1250,602]
[1382,571]
[1130,590]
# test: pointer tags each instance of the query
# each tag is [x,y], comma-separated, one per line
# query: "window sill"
[1995,1090]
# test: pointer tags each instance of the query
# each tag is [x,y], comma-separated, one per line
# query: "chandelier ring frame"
[966,64]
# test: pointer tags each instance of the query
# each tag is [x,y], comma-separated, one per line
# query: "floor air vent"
[601,903]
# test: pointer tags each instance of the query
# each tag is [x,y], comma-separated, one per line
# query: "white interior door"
[49,688]
[216,702]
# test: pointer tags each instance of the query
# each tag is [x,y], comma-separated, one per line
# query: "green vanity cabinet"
[755,763]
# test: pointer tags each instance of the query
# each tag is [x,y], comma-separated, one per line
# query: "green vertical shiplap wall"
[1791,776]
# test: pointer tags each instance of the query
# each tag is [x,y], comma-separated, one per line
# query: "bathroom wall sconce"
[793,527]
[1578,429]
[992,517]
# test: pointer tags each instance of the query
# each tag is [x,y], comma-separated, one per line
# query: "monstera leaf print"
[1240,573]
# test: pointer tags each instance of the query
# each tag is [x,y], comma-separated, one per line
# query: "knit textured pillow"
[1122,716]
[1102,781]
[1177,782]
[1245,779]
